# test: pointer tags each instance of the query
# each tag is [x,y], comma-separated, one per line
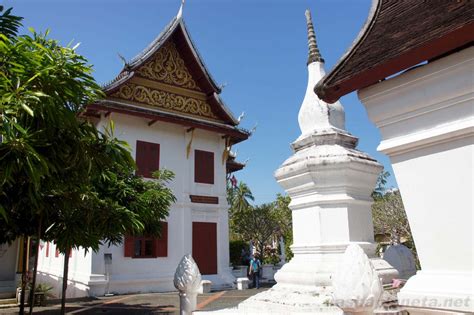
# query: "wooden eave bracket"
[151,122]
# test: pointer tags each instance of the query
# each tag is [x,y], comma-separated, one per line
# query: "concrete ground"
[150,303]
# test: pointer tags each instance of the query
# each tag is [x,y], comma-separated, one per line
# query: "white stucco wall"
[50,270]
[426,119]
[156,274]
[8,255]
[8,260]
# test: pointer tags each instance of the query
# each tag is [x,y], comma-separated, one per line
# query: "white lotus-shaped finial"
[357,286]
[187,277]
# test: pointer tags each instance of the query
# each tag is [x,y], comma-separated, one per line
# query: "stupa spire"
[314,54]
[316,115]
[180,11]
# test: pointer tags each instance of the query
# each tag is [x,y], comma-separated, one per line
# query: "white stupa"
[330,184]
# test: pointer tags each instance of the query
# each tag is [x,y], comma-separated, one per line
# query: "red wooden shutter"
[154,157]
[203,167]
[205,247]
[161,243]
[140,158]
[147,158]
[128,245]
[47,249]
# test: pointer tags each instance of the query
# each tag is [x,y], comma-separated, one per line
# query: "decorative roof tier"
[232,165]
[398,35]
[169,81]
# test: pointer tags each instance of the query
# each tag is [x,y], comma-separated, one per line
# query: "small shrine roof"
[232,165]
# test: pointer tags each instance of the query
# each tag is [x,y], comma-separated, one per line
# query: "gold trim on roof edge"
[168,66]
[164,100]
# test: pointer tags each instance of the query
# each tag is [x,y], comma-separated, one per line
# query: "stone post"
[187,279]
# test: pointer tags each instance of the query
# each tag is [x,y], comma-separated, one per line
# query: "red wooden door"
[205,247]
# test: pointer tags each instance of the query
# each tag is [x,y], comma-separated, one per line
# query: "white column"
[426,119]
[223,256]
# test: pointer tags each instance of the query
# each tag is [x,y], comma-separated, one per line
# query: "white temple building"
[166,105]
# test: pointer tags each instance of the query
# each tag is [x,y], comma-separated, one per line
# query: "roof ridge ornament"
[314,54]
[180,11]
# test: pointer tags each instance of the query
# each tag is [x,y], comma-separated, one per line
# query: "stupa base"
[289,300]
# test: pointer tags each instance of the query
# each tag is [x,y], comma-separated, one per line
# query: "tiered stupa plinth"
[330,184]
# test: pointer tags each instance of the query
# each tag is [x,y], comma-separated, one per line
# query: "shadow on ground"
[116,308]
[149,303]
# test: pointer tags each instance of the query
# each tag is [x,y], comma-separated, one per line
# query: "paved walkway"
[151,303]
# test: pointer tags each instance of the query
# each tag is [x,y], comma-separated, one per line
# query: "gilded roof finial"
[314,54]
[180,12]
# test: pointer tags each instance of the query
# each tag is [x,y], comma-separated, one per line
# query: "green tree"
[258,224]
[102,202]
[115,204]
[239,197]
[389,216]
[60,178]
[261,224]
[285,222]
[9,23]
[42,88]
[236,247]
[380,185]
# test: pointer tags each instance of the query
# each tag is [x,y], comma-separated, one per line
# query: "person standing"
[254,270]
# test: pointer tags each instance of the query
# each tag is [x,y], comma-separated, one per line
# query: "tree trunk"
[261,249]
[23,275]
[33,282]
[65,271]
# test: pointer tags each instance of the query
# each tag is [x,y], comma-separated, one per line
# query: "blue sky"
[257,48]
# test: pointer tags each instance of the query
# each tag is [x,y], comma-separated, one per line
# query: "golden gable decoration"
[168,66]
[164,100]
